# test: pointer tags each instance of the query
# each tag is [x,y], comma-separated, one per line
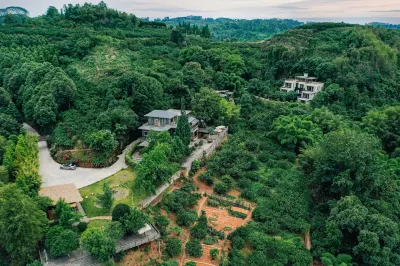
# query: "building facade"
[305,86]
[167,120]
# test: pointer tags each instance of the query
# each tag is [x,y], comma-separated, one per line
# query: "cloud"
[289,7]
[386,11]
[171,10]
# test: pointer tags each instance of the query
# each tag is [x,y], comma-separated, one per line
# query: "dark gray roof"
[161,114]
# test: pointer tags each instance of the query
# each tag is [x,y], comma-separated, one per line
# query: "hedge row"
[217,201]
[240,215]
[128,157]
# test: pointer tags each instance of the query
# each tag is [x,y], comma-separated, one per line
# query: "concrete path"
[196,154]
[52,174]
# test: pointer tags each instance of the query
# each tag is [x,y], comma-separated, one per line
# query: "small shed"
[69,193]
[145,229]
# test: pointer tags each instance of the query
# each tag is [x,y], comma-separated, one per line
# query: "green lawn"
[122,181]
[98,223]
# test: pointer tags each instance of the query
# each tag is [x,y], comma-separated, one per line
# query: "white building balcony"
[287,89]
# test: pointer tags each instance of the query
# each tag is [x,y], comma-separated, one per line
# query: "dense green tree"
[193,248]
[343,163]
[119,211]
[214,253]
[295,131]
[177,37]
[8,125]
[4,176]
[35,263]
[212,109]
[193,76]
[114,230]
[186,218]
[154,169]
[60,242]
[96,242]
[161,222]
[3,144]
[103,141]
[173,247]
[65,214]
[386,125]
[134,221]
[183,129]
[9,157]
[19,237]
[106,199]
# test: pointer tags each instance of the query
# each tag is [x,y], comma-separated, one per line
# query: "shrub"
[208,241]
[173,247]
[128,157]
[199,231]
[213,203]
[214,253]
[119,256]
[228,181]
[186,218]
[161,222]
[106,198]
[194,248]
[82,226]
[195,166]
[221,188]
[35,263]
[207,178]
[237,214]
[119,211]
[190,263]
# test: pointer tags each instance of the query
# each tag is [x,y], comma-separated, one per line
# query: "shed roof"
[145,229]
[67,192]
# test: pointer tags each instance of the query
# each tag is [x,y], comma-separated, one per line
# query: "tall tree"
[95,241]
[22,225]
[183,129]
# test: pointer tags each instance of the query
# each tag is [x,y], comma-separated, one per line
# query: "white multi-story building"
[305,86]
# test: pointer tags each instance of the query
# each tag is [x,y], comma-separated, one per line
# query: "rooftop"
[170,113]
[305,77]
[68,192]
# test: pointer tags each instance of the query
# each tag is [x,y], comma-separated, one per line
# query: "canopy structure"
[69,193]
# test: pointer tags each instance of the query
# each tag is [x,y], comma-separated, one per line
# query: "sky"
[352,11]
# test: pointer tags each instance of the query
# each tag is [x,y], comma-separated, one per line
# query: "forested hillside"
[226,29]
[86,76]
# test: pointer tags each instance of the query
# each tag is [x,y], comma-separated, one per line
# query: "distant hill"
[385,25]
[13,10]
[238,29]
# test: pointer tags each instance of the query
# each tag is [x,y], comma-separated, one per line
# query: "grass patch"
[122,182]
[97,223]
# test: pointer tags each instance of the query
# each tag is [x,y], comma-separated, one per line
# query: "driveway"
[52,174]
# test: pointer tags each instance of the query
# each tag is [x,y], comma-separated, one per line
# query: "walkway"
[52,174]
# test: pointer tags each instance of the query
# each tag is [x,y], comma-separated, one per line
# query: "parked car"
[67,167]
